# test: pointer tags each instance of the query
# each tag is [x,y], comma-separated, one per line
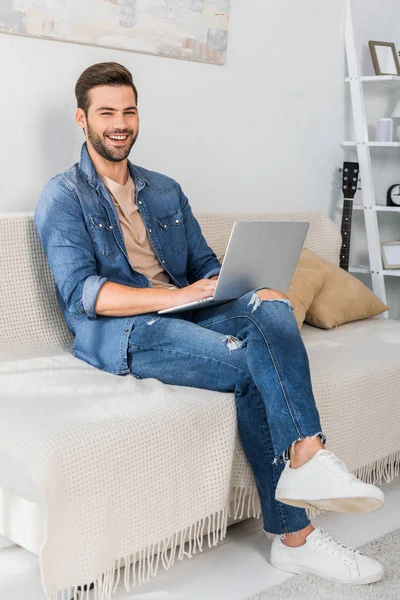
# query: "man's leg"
[277,361]
[176,351]
[279,366]
[179,352]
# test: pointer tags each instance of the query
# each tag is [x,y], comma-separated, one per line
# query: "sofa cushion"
[356,380]
[342,297]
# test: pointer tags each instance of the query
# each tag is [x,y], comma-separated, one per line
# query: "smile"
[118,138]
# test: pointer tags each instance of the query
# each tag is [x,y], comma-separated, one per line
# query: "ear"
[80,118]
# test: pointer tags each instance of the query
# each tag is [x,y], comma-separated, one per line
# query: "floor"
[234,570]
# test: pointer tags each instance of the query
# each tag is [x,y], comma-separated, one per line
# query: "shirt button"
[126,330]
[165,226]
[140,202]
[100,225]
[110,227]
[83,312]
[149,230]
[177,221]
[163,261]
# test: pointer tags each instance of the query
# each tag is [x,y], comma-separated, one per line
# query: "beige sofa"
[355,369]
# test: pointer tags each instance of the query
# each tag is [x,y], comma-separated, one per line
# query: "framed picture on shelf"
[391,254]
[385,58]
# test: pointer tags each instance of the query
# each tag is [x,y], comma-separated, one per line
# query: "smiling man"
[123,243]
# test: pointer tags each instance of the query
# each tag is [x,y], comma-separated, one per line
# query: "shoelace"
[330,544]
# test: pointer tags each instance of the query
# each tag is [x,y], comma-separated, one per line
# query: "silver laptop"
[259,253]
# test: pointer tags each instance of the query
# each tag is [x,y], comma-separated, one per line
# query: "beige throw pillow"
[341,299]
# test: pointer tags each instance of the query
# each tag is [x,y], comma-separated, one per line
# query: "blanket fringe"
[239,500]
[383,470]
[141,565]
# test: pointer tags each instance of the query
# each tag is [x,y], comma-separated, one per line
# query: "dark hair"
[106,73]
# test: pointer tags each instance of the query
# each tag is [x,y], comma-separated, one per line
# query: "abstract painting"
[190,29]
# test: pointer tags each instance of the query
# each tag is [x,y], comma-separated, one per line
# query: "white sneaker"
[324,482]
[321,555]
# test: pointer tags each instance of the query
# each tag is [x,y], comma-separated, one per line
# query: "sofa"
[355,372]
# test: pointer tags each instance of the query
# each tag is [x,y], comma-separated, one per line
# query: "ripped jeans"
[251,347]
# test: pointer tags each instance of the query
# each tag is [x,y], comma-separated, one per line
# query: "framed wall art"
[188,29]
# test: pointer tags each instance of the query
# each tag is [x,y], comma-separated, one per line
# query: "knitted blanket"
[117,460]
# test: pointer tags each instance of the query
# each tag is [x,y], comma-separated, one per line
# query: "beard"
[110,152]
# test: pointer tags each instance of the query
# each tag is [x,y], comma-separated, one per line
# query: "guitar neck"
[346,233]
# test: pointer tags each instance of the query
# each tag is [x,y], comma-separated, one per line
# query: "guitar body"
[351,171]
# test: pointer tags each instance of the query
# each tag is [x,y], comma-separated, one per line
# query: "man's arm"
[68,247]
[118,300]
[70,254]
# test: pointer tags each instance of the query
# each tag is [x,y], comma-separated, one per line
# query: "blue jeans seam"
[280,507]
[264,443]
[287,401]
[246,373]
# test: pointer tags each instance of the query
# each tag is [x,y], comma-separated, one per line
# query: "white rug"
[308,587]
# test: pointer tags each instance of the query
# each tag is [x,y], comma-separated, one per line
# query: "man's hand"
[204,288]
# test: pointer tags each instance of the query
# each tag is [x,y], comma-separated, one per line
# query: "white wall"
[261,132]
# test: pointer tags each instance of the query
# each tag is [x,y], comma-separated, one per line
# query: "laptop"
[259,253]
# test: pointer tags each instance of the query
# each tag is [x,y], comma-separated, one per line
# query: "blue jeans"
[251,347]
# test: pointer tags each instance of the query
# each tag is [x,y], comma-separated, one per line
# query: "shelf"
[366,269]
[378,207]
[392,81]
[387,208]
[359,269]
[375,144]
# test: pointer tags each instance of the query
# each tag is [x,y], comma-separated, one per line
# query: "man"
[122,243]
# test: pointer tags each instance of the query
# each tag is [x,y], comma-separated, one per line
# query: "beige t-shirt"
[140,252]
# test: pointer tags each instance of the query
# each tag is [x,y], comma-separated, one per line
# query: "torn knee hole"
[233,343]
[256,301]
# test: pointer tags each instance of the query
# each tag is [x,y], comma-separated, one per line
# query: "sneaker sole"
[343,505]
[303,571]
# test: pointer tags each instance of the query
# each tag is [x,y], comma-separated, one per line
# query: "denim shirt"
[80,231]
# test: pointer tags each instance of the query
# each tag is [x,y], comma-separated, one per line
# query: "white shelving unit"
[363,146]
[374,144]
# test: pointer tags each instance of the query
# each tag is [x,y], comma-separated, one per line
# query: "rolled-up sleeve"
[68,247]
[91,289]
[212,273]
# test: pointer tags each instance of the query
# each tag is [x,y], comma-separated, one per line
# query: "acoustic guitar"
[350,178]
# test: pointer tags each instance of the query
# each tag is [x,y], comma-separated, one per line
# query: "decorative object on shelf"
[391,254]
[351,172]
[195,30]
[385,59]
[393,195]
[396,115]
[384,130]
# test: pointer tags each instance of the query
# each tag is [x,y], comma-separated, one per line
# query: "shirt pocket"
[172,231]
[102,234]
